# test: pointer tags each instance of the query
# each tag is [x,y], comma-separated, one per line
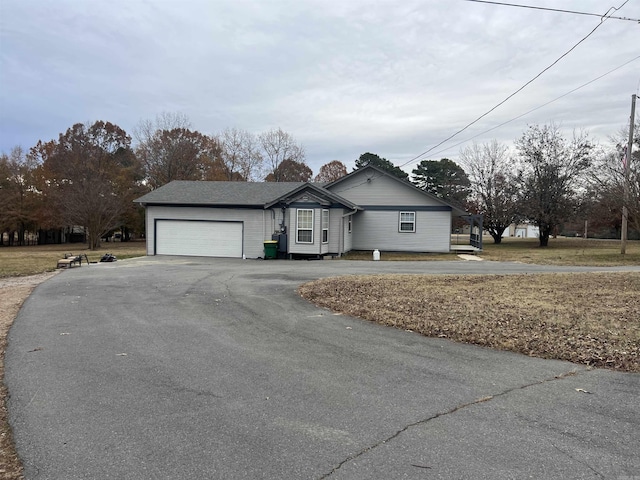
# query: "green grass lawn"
[19,261]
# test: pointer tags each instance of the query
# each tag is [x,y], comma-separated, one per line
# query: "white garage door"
[199,238]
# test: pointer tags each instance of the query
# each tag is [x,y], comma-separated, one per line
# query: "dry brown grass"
[592,319]
[561,251]
[19,261]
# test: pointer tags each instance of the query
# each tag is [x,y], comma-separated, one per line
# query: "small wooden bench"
[65,263]
[70,260]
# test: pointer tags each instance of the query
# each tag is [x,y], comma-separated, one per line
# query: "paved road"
[174,368]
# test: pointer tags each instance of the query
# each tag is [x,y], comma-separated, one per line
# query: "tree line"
[560,184]
[91,174]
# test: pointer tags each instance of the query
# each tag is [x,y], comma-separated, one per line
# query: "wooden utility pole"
[627,168]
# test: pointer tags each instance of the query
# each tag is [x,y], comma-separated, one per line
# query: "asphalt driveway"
[178,368]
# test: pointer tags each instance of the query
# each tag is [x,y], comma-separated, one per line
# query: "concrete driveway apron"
[193,368]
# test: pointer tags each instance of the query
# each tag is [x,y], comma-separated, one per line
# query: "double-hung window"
[407,222]
[304,226]
[325,226]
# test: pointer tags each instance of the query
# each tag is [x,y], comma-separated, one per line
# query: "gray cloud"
[394,78]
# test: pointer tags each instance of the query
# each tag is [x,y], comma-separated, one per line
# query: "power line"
[540,106]
[513,94]
[554,10]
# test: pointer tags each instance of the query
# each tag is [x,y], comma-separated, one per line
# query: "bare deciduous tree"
[493,186]
[146,129]
[607,184]
[240,154]
[552,170]
[278,146]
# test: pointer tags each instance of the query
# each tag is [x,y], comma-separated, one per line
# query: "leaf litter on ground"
[587,318]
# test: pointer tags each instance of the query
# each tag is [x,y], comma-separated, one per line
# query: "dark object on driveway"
[108,257]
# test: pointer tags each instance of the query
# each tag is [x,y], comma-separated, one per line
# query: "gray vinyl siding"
[335,220]
[257,223]
[379,229]
[381,190]
[382,198]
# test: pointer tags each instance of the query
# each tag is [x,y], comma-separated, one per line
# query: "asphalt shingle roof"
[219,193]
[251,194]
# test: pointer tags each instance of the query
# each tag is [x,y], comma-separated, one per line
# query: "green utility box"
[270,249]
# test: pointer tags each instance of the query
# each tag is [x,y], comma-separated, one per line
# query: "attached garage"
[199,238]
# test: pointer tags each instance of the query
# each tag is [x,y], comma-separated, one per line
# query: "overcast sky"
[342,76]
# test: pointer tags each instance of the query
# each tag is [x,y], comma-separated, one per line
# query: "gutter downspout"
[353,212]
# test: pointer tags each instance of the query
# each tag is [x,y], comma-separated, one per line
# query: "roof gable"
[370,173]
[317,191]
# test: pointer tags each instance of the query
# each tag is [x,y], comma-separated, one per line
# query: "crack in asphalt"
[443,414]
[600,475]
[226,283]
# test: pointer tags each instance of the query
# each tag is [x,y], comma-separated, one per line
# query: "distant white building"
[522,230]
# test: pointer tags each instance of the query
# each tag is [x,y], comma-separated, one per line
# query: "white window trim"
[400,222]
[325,227]
[298,229]
[350,224]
